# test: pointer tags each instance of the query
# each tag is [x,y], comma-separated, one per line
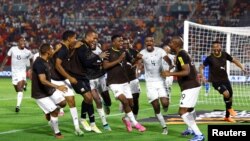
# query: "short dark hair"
[88,32]
[44,48]
[67,34]
[115,37]
[216,42]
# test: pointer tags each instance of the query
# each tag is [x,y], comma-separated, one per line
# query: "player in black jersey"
[96,74]
[134,81]
[118,80]
[48,96]
[190,87]
[218,76]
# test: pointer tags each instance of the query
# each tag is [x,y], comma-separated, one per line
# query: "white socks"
[74,116]
[54,124]
[189,120]
[102,116]
[161,120]
[131,117]
[19,98]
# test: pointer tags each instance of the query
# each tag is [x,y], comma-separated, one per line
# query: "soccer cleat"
[85,125]
[79,132]
[198,138]
[59,135]
[229,119]
[106,127]
[165,131]
[232,112]
[127,124]
[17,109]
[106,110]
[95,129]
[187,132]
[140,128]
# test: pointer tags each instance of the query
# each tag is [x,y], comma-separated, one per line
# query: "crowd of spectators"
[45,20]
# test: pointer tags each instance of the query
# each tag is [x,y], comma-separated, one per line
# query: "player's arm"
[44,81]
[168,60]
[107,64]
[183,72]
[61,70]
[238,64]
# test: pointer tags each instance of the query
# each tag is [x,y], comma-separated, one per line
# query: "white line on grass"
[20,130]
[3,99]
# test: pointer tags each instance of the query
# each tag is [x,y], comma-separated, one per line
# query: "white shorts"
[66,82]
[17,77]
[48,104]
[135,86]
[119,89]
[99,84]
[156,90]
[189,97]
[169,81]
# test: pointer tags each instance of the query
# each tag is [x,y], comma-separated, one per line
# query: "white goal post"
[235,41]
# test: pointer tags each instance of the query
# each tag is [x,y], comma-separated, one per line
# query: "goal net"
[235,41]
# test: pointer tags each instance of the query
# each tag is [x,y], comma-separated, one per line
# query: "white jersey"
[153,64]
[97,51]
[165,65]
[19,59]
[35,56]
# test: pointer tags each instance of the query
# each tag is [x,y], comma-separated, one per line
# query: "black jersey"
[189,81]
[94,67]
[62,54]
[38,90]
[118,73]
[131,70]
[217,67]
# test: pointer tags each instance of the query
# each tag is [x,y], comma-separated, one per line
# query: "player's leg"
[100,109]
[135,89]
[19,89]
[123,93]
[187,103]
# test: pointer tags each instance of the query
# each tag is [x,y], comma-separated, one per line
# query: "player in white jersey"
[156,91]
[19,58]
[168,80]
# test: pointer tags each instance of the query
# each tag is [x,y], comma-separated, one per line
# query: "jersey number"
[18,57]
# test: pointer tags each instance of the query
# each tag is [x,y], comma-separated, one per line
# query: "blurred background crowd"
[45,20]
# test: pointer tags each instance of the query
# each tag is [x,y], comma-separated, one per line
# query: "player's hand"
[165,73]
[62,88]
[122,57]
[104,54]
[78,44]
[29,74]
[72,80]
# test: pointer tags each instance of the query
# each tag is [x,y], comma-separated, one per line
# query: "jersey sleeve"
[206,61]
[183,58]
[229,57]
[9,53]
[39,67]
[62,53]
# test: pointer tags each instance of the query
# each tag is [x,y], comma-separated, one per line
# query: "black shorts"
[82,86]
[223,86]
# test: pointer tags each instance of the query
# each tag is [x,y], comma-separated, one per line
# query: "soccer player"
[190,87]
[96,74]
[19,57]
[118,81]
[218,76]
[48,96]
[133,80]
[75,65]
[59,78]
[156,90]
[169,80]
